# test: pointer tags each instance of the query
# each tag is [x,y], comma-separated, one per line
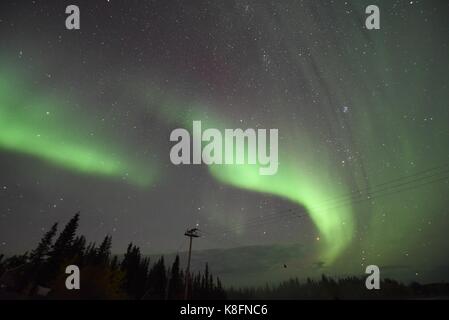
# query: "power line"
[359,197]
[446,165]
[352,196]
[387,187]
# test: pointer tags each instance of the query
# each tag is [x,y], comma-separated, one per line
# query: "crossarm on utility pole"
[191,233]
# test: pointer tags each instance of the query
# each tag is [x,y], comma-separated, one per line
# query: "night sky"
[86,115]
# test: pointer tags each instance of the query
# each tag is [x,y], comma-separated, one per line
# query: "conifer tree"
[38,255]
[65,240]
[175,282]
[62,249]
[104,251]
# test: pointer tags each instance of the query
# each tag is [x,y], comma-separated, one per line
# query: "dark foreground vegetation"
[344,288]
[40,274]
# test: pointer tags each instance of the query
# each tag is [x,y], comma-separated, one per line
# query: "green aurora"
[374,109]
[38,125]
[393,130]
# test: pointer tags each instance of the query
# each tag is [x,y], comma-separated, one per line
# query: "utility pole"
[191,233]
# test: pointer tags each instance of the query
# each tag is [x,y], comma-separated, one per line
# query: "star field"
[86,115]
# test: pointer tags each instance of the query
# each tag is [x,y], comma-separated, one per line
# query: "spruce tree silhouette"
[62,249]
[64,242]
[157,279]
[136,272]
[38,255]
[78,250]
[38,258]
[104,251]
[175,287]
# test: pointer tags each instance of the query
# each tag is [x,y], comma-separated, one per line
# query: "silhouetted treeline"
[103,276]
[41,274]
[344,288]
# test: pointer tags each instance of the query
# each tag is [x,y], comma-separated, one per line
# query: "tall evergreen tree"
[104,251]
[78,251]
[65,240]
[43,248]
[35,271]
[175,282]
[62,248]
[157,279]
[136,272]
